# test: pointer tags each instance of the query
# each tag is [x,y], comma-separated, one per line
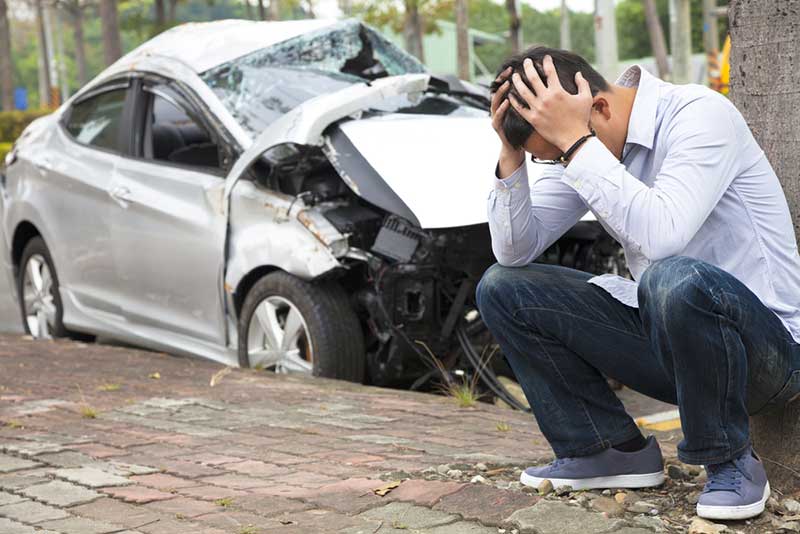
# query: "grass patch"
[109,387]
[87,412]
[248,529]
[463,389]
[13,423]
[502,426]
[225,502]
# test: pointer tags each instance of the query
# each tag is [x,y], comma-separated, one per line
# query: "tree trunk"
[248,9]
[565,34]
[310,9]
[262,10]
[274,10]
[514,26]
[112,45]
[412,29]
[76,10]
[173,8]
[765,86]
[462,40]
[161,16]
[6,72]
[44,58]
[657,41]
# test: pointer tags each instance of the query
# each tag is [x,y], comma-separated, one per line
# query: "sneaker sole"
[647,480]
[745,511]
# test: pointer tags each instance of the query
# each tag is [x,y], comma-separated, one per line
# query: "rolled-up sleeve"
[658,221]
[524,220]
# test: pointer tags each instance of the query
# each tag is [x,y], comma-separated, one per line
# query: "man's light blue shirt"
[693,182]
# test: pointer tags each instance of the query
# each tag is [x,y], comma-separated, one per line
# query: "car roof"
[204,45]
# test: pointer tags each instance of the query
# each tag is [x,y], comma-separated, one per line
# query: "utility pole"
[566,41]
[55,95]
[44,65]
[605,38]
[680,27]
[462,41]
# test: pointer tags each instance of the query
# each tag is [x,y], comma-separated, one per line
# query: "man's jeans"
[700,339]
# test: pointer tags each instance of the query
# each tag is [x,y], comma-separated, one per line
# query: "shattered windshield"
[261,86]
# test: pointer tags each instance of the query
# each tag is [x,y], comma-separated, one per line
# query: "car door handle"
[44,163]
[121,195]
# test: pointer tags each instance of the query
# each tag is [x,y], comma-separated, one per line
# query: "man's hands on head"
[510,157]
[559,117]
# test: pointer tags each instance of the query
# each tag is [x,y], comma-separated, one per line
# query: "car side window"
[172,135]
[97,120]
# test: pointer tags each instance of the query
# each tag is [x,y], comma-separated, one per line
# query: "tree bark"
[262,10]
[274,10]
[172,9]
[248,9]
[765,86]
[514,26]
[6,71]
[657,41]
[412,29]
[112,45]
[161,16]
[76,11]
[462,40]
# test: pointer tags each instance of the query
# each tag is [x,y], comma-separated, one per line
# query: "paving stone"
[37,406]
[66,459]
[91,476]
[137,494]
[185,507]
[271,507]
[349,496]
[377,439]
[210,493]
[28,449]
[60,493]
[7,526]
[113,511]
[22,479]
[124,469]
[632,530]
[424,492]
[31,512]
[98,450]
[461,528]
[488,504]
[256,468]
[554,517]
[164,482]
[12,463]
[9,498]
[80,525]
[409,516]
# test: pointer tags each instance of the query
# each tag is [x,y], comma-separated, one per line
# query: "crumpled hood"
[441,167]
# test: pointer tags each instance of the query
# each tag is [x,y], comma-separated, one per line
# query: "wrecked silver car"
[300,196]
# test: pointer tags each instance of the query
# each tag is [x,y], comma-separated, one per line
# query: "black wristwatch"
[564,158]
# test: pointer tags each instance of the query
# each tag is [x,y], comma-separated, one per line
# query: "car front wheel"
[37,287]
[290,325]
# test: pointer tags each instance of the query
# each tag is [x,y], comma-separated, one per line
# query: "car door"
[77,166]
[167,228]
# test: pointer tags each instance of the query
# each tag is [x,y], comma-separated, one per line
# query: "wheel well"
[22,235]
[247,282]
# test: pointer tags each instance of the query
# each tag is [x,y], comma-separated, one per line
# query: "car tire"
[37,279]
[333,335]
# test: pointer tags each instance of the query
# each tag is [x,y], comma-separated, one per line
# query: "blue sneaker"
[607,469]
[737,489]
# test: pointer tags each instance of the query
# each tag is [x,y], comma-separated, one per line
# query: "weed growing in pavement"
[248,529]
[108,387]
[224,502]
[13,423]
[463,390]
[87,412]
[502,426]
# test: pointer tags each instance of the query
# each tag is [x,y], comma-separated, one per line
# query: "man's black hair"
[517,129]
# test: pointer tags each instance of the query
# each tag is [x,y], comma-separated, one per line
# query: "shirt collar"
[642,122]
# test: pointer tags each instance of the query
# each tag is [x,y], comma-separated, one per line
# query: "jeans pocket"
[789,392]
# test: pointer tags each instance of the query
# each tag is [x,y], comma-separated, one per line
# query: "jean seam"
[564,381]
[695,459]
[579,318]
[603,444]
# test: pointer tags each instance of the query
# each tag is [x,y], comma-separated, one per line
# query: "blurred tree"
[6,60]
[274,10]
[160,15]
[112,43]
[262,10]
[44,58]
[657,41]
[462,41]
[514,26]
[75,9]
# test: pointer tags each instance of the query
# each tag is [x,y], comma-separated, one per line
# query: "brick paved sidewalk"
[98,439]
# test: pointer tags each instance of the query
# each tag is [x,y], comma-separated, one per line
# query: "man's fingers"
[533,76]
[499,96]
[550,71]
[497,118]
[523,90]
[505,74]
[517,105]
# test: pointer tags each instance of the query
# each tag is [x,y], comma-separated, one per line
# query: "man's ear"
[600,106]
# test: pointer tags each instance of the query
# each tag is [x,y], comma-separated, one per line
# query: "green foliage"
[4,149]
[13,122]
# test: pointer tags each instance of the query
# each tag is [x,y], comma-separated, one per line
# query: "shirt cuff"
[592,161]
[512,180]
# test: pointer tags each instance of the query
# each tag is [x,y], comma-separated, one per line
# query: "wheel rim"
[277,337]
[39,297]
